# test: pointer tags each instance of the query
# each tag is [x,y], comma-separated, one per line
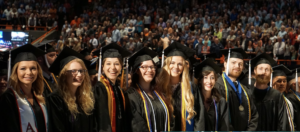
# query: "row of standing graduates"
[163,107]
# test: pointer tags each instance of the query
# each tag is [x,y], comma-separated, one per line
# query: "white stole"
[26,114]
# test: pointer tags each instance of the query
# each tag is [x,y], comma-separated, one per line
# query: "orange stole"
[111,102]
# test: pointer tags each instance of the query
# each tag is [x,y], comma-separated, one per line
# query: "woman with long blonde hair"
[23,106]
[71,107]
[110,100]
[176,85]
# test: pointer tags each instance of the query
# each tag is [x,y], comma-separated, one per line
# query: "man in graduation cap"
[269,102]
[242,111]
[279,82]
[294,96]
[50,81]
[3,76]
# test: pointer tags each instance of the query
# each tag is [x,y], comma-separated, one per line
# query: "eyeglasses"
[147,67]
[75,72]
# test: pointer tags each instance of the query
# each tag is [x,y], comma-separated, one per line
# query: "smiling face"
[176,66]
[208,81]
[27,72]
[280,83]
[112,68]
[146,71]
[76,74]
[235,67]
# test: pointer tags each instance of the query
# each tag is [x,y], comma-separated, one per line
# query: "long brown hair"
[37,85]
[215,94]
[84,96]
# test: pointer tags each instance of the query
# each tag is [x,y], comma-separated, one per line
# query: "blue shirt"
[233,17]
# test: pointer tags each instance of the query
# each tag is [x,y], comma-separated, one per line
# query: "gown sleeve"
[223,116]
[199,118]
[252,126]
[282,116]
[56,113]
[101,108]
[9,116]
[135,112]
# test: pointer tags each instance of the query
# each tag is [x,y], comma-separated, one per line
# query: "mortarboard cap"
[292,74]
[235,53]
[92,68]
[177,49]
[65,56]
[263,59]
[280,70]
[112,50]
[140,56]
[206,65]
[85,52]
[45,47]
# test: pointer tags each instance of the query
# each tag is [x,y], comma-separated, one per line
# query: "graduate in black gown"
[269,102]
[22,104]
[242,111]
[50,81]
[147,109]
[3,76]
[279,82]
[294,96]
[70,108]
[110,100]
[216,110]
[177,87]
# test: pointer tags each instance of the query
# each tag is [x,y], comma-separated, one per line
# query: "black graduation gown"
[239,119]
[199,119]
[296,105]
[137,115]
[101,109]
[61,120]
[271,108]
[9,113]
[52,85]
[210,116]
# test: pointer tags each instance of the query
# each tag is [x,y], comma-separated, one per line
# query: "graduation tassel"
[271,79]
[297,85]
[100,63]
[227,66]
[9,68]
[249,81]
[127,73]
[162,58]
[122,77]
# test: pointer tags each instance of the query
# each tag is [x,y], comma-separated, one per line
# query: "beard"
[262,79]
[235,74]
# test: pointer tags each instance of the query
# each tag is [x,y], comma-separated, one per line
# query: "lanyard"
[217,116]
[239,92]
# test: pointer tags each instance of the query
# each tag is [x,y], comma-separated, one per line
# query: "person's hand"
[165,40]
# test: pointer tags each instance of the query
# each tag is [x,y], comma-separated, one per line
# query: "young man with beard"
[279,82]
[242,111]
[50,81]
[269,102]
[294,96]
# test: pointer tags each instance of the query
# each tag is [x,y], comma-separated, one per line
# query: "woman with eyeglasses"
[71,107]
[216,110]
[148,110]
[110,100]
[176,85]
[22,104]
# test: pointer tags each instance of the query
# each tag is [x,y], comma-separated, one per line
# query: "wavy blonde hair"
[84,96]
[37,85]
[165,87]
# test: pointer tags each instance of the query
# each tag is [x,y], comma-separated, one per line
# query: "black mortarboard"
[85,52]
[206,65]
[45,47]
[211,55]
[263,59]
[235,53]
[26,52]
[92,69]
[292,74]
[280,70]
[140,56]
[112,50]
[177,49]
[3,68]
[65,56]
